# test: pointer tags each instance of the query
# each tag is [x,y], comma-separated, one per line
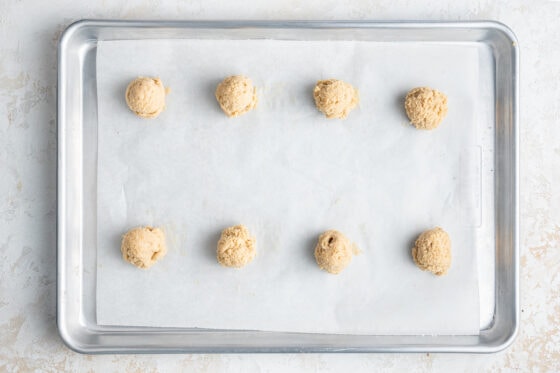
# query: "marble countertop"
[29,31]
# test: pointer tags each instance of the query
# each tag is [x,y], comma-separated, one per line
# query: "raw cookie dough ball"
[236,95]
[146,97]
[143,246]
[333,252]
[236,247]
[425,107]
[432,251]
[335,98]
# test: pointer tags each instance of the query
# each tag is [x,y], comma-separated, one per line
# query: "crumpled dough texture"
[432,251]
[335,98]
[143,246]
[236,95]
[425,107]
[333,251]
[236,247]
[146,97]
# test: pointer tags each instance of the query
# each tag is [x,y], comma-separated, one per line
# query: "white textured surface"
[28,34]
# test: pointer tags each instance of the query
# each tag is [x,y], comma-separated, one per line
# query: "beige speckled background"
[29,31]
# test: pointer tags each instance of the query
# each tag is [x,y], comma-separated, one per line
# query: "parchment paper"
[288,174]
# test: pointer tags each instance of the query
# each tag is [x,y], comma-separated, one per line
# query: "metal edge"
[62,323]
[516,86]
[314,23]
[510,337]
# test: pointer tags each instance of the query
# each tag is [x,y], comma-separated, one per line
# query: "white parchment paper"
[288,174]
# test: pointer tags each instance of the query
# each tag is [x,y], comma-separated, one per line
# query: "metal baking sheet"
[496,224]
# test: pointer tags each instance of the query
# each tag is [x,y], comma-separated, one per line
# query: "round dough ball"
[432,251]
[425,107]
[335,98]
[146,97]
[236,247]
[143,246]
[333,252]
[236,95]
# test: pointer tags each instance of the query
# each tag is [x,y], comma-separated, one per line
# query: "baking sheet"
[288,174]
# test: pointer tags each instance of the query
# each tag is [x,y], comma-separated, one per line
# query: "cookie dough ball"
[236,247]
[425,107]
[432,251]
[335,98]
[143,246]
[236,95]
[333,252]
[146,97]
